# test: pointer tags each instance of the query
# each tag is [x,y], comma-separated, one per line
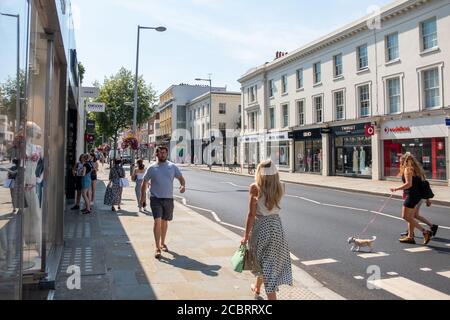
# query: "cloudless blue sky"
[222,37]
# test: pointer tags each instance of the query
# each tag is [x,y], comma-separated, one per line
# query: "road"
[318,222]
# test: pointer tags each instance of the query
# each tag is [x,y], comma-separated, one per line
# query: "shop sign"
[96,107]
[447,122]
[325,130]
[306,134]
[278,136]
[350,130]
[425,127]
[400,129]
[369,129]
[89,92]
[90,125]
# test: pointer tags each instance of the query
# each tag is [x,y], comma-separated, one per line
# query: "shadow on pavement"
[184,262]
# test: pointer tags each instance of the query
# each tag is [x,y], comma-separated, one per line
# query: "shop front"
[252,147]
[425,138]
[277,149]
[307,150]
[352,151]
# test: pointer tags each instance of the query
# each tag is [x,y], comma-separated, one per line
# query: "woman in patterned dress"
[113,195]
[264,232]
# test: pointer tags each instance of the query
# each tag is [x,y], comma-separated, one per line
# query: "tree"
[115,92]
[8,95]
[81,71]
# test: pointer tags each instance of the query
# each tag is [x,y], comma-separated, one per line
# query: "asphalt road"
[318,222]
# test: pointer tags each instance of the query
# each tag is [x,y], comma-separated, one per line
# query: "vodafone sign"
[426,127]
[369,130]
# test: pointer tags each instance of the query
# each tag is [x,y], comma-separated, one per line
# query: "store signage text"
[400,129]
[95,107]
[348,128]
[307,134]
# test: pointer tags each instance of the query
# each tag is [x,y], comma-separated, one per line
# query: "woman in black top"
[94,165]
[412,176]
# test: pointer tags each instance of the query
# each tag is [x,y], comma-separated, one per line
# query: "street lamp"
[210,115]
[159,29]
[18,68]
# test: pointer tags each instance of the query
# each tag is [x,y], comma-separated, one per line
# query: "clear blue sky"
[222,37]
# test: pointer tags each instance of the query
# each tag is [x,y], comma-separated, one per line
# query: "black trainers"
[76,207]
[434,229]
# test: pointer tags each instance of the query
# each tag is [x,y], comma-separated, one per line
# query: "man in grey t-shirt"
[161,175]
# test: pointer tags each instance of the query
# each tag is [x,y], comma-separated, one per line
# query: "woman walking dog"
[412,175]
[264,232]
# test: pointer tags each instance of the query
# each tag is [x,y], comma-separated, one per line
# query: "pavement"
[441,192]
[114,253]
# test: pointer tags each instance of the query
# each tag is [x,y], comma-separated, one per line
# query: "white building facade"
[224,131]
[352,102]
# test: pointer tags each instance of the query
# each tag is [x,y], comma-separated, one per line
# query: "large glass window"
[364,100]
[429,34]
[431,88]
[279,152]
[308,156]
[363,58]
[394,95]
[353,156]
[392,51]
[430,152]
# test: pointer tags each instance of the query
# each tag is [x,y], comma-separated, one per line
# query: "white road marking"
[294,258]
[343,207]
[419,249]
[408,289]
[392,273]
[233,226]
[426,269]
[358,278]
[444,274]
[316,262]
[373,255]
[215,216]
[303,198]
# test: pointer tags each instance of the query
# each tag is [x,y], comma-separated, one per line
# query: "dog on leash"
[359,243]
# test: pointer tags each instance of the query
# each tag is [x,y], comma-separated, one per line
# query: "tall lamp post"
[18,68]
[210,116]
[159,29]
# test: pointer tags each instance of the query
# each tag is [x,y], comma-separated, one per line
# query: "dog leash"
[376,214]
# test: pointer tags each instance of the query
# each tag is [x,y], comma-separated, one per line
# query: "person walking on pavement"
[138,176]
[77,173]
[94,165]
[268,247]
[412,175]
[434,227]
[113,194]
[86,183]
[161,174]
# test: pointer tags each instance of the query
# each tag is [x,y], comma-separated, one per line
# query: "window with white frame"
[429,34]
[299,73]
[272,118]
[364,100]
[393,91]
[338,68]
[222,108]
[363,58]
[284,84]
[318,109]
[252,91]
[431,88]
[252,121]
[222,126]
[392,50]
[301,112]
[285,111]
[339,104]
[317,73]
[271,88]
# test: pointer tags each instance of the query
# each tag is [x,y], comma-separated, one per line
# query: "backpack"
[425,190]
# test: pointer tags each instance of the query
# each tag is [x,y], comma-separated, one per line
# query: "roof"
[201,97]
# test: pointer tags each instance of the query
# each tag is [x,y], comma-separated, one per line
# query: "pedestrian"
[412,175]
[94,165]
[417,216]
[12,174]
[268,246]
[138,176]
[86,183]
[161,174]
[77,171]
[113,194]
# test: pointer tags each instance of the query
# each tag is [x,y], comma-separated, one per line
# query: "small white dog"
[358,243]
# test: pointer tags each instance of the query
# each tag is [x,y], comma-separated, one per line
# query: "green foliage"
[81,71]
[8,94]
[117,90]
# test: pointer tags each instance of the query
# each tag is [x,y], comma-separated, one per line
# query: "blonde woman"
[264,232]
[412,175]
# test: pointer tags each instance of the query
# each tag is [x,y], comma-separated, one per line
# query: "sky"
[224,38]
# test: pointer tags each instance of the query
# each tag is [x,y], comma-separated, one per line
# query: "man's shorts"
[162,208]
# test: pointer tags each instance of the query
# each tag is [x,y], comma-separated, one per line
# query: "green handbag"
[237,260]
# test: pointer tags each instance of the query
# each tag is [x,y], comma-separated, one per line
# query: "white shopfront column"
[326,156]
[377,155]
